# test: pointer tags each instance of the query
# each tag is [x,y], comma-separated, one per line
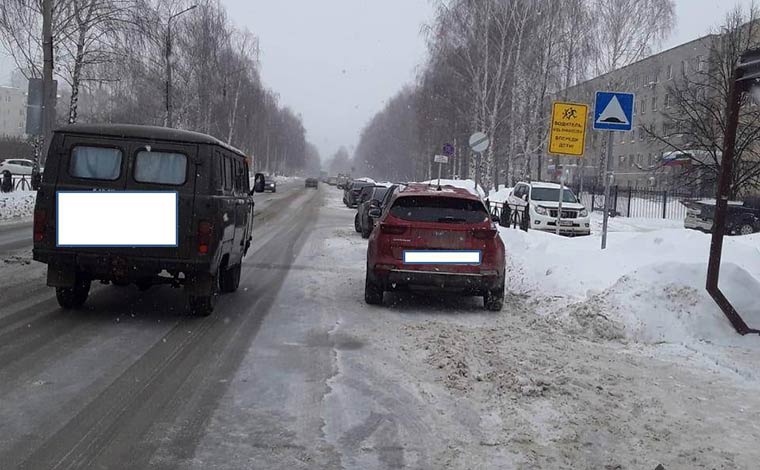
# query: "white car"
[542,200]
[17,166]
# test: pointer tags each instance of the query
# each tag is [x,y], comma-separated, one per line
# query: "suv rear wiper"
[451,220]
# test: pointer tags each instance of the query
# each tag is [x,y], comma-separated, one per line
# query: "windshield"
[439,209]
[552,195]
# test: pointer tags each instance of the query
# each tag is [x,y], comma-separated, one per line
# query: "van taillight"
[484,234]
[205,233]
[40,222]
[392,229]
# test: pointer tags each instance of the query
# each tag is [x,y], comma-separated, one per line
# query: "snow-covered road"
[296,371]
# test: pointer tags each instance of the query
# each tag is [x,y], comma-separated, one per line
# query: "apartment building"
[12,112]
[638,157]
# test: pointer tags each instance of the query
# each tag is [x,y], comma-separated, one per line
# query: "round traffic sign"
[448,150]
[479,142]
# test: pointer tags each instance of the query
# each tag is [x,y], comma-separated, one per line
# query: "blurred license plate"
[566,223]
[442,257]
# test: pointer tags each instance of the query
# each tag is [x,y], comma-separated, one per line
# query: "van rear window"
[439,209]
[95,163]
[160,167]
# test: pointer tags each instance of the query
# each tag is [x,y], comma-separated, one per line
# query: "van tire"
[203,305]
[357,227]
[230,278]
[73,297]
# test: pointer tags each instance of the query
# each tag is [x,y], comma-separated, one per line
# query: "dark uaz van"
[206,180]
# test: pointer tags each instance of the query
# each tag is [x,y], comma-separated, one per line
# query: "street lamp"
[744,79]
[168,97]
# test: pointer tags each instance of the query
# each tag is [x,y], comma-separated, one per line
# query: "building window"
[684,67]
[655,75]
[667,100]
[654,103]
[670,71]
[643,106]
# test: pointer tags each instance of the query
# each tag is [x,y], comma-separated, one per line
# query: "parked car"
[312,183]
[351,193]
[17,166]
[270,184]
[343,180]
[206,179]
[378,198]
[442,239]
[542,200]
[742,218]
[332,181]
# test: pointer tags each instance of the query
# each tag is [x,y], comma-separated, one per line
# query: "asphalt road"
[130,381]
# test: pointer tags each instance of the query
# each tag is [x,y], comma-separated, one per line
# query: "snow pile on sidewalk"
[501,195]
[17,205]
[648,285]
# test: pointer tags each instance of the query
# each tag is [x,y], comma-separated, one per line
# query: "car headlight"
[540,210]
[583,213]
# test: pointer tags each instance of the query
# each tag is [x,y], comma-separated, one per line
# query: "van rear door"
[91,163]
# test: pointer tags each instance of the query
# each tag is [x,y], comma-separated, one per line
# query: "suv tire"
[357,227]
[746,229]
[230,278]
[73,297]
[493,300]
[373,293]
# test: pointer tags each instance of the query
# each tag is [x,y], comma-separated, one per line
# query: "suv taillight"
[392,229]
[205,233]
[484,234]
[40,223]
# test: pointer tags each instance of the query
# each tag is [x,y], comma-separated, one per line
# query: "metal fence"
[639,203]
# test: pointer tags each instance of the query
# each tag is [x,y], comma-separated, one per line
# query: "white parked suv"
[543,201]
[17,166]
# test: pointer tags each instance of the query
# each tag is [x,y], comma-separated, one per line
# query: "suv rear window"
[160,167]
[439,209]
[95,163]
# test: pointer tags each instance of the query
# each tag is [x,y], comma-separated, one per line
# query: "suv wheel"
[493,300]
[746,229]
[73,297]
[373,293]
[203,305]
[357,227]
[230,278]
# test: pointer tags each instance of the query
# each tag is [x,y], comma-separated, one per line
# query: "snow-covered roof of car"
[542,184]
[432,190]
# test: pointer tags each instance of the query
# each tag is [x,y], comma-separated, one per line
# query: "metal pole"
[721,208]
[561,191]
[607,182]
[439,174]
[169,122]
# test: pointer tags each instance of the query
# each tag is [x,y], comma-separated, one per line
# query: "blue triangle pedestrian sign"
[613,111]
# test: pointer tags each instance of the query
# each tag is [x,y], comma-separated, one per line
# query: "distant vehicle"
[435,239]
[378,198]
[364,195]
[17,166]
[352,190]
[343,180]
[742,218]
[312,183]
[332,180]
[542,200]
[270,184]
[214,210]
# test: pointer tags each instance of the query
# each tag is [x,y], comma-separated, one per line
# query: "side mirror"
[525,197]
[375,213]
[258,183]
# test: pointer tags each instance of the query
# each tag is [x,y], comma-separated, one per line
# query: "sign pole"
[439,173]
[561,191]
[607,182]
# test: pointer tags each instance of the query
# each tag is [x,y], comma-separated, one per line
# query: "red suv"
[435,237]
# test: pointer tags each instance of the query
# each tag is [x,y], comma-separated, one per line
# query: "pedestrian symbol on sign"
[570,113]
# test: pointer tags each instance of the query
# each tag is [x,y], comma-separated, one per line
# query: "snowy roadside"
[554,380]
[16,206]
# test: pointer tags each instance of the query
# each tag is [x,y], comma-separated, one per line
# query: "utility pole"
[168,52]
[48,86]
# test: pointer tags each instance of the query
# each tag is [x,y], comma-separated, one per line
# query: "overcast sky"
[336,61]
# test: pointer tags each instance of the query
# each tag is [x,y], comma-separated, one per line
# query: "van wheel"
[357,227]
[230,278]
[73,297]
[493,300]
[373,293]
[746,229]
[203,305]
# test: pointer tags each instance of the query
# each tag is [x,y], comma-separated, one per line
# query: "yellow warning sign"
[567,135]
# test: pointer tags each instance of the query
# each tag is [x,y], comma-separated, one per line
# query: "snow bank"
[17,205]
[650,280]
[501,195]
